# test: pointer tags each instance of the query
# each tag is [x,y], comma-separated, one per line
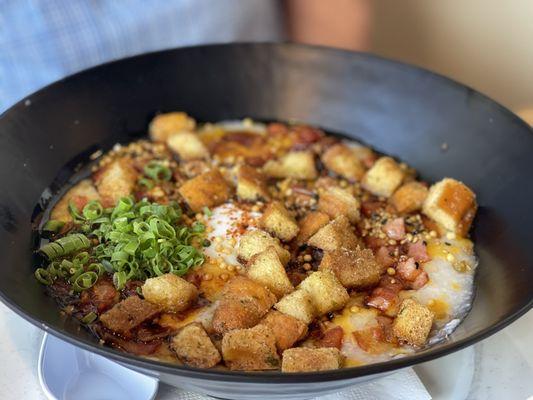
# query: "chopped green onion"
[65,245]
[74,212]
[207,212]
[157,171]
[198,227]
[53,225]
[146,184]
[84,281]
[135,241]
[43,276]
[89,318]
[93,210]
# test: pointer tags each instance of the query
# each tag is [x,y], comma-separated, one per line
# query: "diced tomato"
[418,251]
[395,228]
[384,257]
[408,268]
[332,338]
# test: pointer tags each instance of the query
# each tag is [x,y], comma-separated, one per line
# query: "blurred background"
[485,44]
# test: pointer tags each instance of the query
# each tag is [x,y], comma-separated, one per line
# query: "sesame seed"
[207,277]
[381,235]
[450,236]
[391,271]
[392,242]
[288,192]
[354,309]
[433,234]
[224,277]
[307,266]
[393,281]
[450,257]
[231,268]
[308,257]
[198,216]
[222,265]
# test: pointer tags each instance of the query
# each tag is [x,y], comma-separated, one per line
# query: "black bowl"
[400,110]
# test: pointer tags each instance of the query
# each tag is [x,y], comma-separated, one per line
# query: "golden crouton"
[384,177]
[299,305]
[193,347]
[206,190]
[413,323]
[266,269]
[256,241]
[310,224]
[452,205]
[169,291]
[409,197]
[335,235]
[251,184]
[295,164]
[80,194]
[287,329]
[326,291]
[164,125]
[242,305]
[115,180]
[306,359]
[335,201]
[187,146]
[278,221]
[250,349]
[341,160]
[356,268]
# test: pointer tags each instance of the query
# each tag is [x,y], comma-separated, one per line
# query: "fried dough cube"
[209,189]
[267,269]
[256,241]
[452,205]
[287,329]
[80,194]
[193,347]
[409,197]
[335,235]
[243,303]
[341,160]
[356,268]
[295,164]
[384,177]
[164,125]
[327,293]
[251,184]
[310,224]
[413,323]
[128,314]
[299,305]
[277,220]
[335,201]
[116,180]
[251,349]
[187,146]
[306,359]
[171,292]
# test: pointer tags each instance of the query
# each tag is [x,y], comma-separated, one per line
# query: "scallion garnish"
[157,171]
[89,318]
[133,241]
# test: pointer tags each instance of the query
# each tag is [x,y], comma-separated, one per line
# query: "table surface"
[499,367]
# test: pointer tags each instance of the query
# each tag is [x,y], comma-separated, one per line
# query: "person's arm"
[336,23]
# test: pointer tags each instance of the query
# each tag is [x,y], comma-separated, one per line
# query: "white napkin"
[402,385]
